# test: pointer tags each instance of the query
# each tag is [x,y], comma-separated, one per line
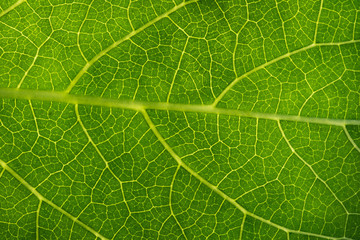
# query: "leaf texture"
[180,119]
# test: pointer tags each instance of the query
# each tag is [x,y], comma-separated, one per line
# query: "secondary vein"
[42,198]
[238,79]
[11,7]
[178,159]
[115,44]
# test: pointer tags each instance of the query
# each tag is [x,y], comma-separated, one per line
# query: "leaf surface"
[174,119]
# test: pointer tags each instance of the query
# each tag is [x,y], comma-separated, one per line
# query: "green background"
[172,119]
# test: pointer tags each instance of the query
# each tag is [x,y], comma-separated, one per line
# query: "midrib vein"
[42,198]
[56,96]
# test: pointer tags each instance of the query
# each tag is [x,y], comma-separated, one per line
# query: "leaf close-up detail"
[180,119]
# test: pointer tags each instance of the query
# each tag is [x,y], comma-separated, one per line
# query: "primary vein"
[56,96]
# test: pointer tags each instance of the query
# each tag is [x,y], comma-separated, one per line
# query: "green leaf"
[179,119]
